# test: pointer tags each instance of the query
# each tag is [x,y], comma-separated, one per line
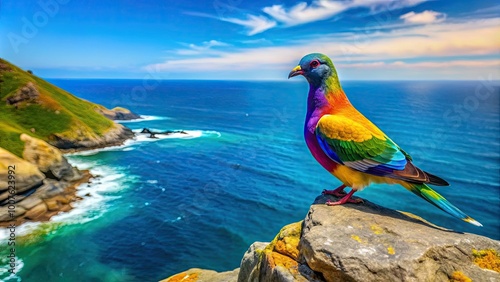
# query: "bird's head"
[316,68]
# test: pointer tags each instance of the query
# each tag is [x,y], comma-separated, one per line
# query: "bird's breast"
[317,152]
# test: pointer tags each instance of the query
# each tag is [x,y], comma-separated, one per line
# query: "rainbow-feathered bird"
[352,148]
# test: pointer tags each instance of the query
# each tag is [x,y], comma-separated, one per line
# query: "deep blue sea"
[158,207]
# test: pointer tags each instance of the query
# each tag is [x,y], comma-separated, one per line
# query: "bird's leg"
[338,192]
[345,199]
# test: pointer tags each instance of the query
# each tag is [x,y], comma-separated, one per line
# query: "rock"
[36,211]
[202,275]
[80,140]
[27,175]
[118,113]
[48,159]
[61,199]
[250,264]
[276,261]
[4,67]
[28,93]
[4,212]
[368,242]
[53,205]
[8,200]
[29,202]
[50,188]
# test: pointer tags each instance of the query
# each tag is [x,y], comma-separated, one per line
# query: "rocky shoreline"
[113,137]
[364,242]
[47,201]
[42,122]
[45,183]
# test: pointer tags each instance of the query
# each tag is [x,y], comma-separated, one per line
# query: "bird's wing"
[364,147]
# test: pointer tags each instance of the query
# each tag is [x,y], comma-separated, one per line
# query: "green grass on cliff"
[56,112]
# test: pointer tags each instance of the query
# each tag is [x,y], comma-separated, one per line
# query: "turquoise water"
[243,171]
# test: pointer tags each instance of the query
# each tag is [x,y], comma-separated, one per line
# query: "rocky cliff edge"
[364,242]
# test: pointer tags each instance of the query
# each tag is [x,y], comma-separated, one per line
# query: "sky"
[252,40]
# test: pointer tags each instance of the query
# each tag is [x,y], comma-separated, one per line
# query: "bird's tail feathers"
[439,201]
[436,180]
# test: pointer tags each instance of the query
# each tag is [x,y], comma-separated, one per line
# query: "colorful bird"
[352,148]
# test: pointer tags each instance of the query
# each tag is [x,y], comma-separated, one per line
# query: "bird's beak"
[296,71]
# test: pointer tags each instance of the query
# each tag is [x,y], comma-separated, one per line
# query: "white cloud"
[418,42]
[303,13]
[207,45]
[257,41]
[426,17]
[204,48]
[255,24]
[426,64]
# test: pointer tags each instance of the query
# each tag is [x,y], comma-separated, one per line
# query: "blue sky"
[238,39]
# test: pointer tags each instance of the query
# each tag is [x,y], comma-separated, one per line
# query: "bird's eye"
[314,64]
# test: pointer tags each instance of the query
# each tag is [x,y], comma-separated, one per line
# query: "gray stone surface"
[367,242]
[50,188]
[250,264]
[29,202]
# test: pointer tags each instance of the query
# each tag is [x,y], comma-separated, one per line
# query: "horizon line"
[256,80]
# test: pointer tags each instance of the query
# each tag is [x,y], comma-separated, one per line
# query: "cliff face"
[367,242]
[45,183]
[31,105]
[37,121]
[118,113]
[80,140]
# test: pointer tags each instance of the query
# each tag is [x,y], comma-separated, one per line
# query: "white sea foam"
[96,197]
[144,137]
[4,269]
[212,132]
[143,118]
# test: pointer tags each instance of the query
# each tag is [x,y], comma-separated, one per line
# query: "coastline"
[53,205]
[42,208]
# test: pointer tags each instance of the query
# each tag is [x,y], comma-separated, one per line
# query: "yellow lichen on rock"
[459,276]
[287,241]
[377,229]
[283,251]
[390,250]
[357,239]
[183,277]
[203,275]
[277,259]
[488,259]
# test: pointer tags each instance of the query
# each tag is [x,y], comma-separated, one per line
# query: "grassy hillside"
[55,111]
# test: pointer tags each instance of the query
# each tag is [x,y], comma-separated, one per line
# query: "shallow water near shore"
[160,206]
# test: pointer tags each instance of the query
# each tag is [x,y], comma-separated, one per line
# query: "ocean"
[243,171]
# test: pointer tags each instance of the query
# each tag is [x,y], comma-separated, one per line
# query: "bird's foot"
[337,203]
[335,193]
[345,199]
